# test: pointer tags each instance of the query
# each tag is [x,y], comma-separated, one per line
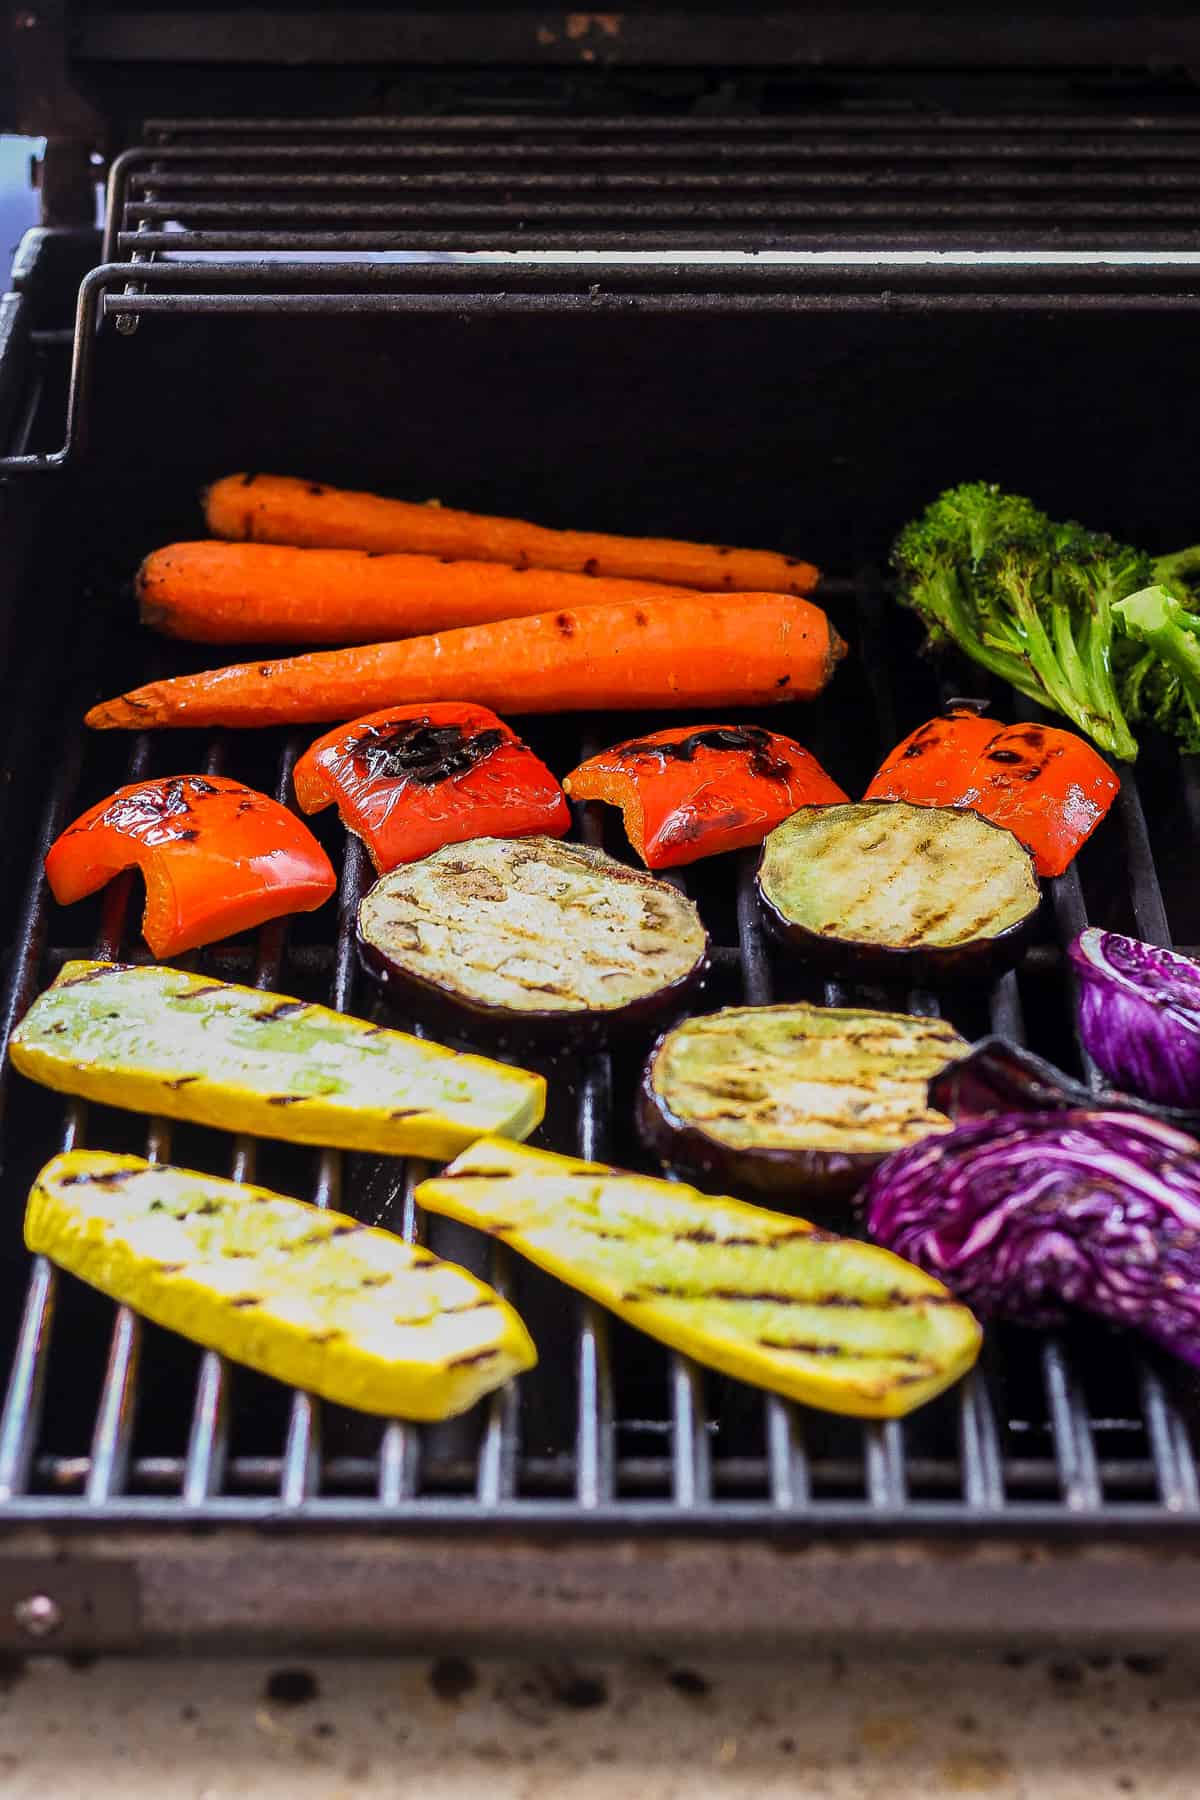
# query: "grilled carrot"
[216,593]
[745,649]
[278,509]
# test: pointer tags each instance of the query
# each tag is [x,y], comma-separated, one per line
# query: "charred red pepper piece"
[1045,785]
[410,779]
[216,856]
[932,764]
[697,790]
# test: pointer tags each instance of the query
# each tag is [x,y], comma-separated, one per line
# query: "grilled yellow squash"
[760,1295]
[160,1041]
[311,1297]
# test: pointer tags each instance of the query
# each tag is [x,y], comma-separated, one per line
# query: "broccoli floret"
[1160,666]
[1029,599]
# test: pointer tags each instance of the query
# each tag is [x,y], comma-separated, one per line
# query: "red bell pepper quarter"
[412,778]
[697,790]
[216,856]
[1045,785]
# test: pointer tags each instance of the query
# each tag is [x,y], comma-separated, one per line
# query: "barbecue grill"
[783,306]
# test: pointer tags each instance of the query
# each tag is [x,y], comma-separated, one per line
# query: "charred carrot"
[278,509]
[217,593]
[746,650]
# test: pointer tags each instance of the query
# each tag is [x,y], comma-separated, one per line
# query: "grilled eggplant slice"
[797,1101]
[532,936]
[160,1041]
[759,1295]
[311,1297]
[886,891]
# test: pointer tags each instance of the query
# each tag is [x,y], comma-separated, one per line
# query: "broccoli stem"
[1180,565]
[1155,618]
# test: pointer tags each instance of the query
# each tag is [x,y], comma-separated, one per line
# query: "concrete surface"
[1008,1727]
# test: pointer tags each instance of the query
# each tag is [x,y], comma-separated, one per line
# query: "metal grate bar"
[302,1454]
[1074,1448]
[883,1449]
[1149,910]
[208,1439]
[595,1450]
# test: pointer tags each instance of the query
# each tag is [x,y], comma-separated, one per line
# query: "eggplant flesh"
[793,1100]
[888,891]
[533,936]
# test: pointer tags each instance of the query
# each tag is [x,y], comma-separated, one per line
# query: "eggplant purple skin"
[997,1076]
[921,965]
[587,1028]
[1136,1021]
[812,1177]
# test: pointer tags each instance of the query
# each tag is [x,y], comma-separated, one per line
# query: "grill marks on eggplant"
[312,1297]
[889,873]
[886,890]
[804,1077]
[759,1295]
[531,925]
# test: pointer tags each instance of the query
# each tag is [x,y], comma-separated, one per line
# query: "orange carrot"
[277,509]
[698,650]
[215,593]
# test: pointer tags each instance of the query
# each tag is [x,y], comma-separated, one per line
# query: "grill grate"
[852,178]
[610,1430]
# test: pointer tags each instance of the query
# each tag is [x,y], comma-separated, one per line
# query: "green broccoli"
[1160,663]
[1029,599]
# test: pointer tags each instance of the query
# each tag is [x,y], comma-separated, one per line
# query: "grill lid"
[88,71]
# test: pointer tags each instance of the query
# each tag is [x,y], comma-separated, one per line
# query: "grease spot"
[451,1677]
[291,1687]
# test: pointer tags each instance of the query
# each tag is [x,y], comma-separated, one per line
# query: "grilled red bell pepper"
[930,767]
[216,856]
[697,790]
[410,779]
[1045,785]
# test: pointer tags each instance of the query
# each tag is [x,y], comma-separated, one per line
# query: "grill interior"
[727,176]
[817,423]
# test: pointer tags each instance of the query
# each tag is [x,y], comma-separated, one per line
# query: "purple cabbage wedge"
[1023,1215]
[1139,1015]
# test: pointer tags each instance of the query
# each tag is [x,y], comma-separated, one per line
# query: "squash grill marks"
[309,1296]
[157,1040]
[756,1294]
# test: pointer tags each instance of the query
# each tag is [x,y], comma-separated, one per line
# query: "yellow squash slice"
[184,1046]
[311,1297]
[760,1295]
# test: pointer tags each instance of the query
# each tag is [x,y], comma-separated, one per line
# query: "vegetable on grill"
[1023,1216]
[1091,628]
[675,651]
[216,857]
[410,779]
[793,1100]
[1159,661]
[759,1295]
[279,509]
[1029,599]
[219,593]
[894,892]
[1138,1007]
[699,790]
[310,1297]
[530,936]
[996,1076]
[159,1041]
[1047,786]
